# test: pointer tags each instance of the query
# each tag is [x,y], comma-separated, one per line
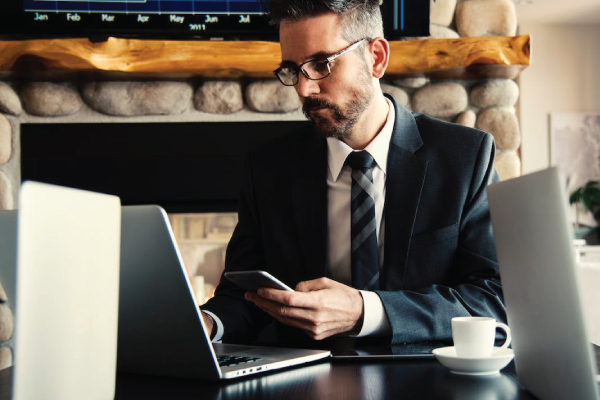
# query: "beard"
[344,116]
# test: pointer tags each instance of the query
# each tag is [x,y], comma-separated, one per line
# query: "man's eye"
[321,67]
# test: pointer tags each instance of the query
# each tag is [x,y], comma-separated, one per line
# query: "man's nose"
[306,87]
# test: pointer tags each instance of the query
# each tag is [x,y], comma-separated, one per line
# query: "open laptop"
[60,258]
[160,327]
[534,241]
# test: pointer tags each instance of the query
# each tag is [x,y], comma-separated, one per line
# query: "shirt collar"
[337,150]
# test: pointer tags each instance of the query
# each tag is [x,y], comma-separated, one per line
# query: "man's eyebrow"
[320,56]
[287,63]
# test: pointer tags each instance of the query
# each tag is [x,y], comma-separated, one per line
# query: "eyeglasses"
[313,69]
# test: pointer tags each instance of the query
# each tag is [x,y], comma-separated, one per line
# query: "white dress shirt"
[339,184]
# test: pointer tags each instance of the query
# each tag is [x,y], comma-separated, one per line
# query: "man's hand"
[321,307]
[208,323]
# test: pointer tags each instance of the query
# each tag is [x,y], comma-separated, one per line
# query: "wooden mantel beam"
[471,57]
[481,57]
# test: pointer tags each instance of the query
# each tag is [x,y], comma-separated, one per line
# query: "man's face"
[337,103]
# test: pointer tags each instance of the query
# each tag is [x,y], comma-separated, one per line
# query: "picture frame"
[575,149]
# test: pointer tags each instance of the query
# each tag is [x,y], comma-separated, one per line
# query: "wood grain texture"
[474,56]
[477,56]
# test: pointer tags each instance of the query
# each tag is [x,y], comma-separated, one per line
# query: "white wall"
[564,76]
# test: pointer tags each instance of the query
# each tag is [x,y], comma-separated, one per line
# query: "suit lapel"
[404,182]
[309,200]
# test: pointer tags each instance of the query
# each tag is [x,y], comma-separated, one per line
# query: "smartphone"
[252,280]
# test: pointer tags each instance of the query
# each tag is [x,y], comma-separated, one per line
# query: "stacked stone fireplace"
[487,104]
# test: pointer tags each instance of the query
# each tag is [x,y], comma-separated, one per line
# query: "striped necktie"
[365,257]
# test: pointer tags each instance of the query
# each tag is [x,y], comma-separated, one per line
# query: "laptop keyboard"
[229,361]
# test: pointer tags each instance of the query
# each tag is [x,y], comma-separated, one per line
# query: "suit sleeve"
[242,320]
[474,288]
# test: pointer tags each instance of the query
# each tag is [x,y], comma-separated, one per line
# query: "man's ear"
[380,53]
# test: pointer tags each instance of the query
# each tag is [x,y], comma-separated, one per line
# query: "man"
[431,254]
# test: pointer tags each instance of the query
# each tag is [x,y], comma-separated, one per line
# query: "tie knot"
[360,160]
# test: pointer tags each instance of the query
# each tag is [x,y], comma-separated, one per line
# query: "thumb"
[313,285]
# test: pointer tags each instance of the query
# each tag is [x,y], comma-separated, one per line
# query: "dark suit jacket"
[439,254]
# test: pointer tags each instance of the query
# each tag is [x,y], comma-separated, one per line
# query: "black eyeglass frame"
[327,62]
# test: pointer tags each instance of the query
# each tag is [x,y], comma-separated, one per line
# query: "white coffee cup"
[474,336]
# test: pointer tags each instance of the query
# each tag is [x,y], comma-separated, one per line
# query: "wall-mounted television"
[173,19]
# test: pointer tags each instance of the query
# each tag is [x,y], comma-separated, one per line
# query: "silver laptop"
[64,246]
[534,241]
[160,327]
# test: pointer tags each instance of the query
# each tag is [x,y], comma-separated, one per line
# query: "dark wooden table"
[331,380]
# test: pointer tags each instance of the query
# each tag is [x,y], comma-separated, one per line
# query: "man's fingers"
[320,313]
[293,299]
[282,313]
[316,330]
[282,310]
[316,324]
[315,284]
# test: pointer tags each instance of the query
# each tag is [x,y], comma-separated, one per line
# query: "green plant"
[589,196]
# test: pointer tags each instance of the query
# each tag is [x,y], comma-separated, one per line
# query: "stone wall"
[487,104]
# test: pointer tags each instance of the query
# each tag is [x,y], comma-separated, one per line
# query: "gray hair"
[359,18]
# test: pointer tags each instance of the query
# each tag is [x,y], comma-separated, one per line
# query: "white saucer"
[474,366]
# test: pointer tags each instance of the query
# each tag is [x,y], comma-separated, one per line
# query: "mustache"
[318,103]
